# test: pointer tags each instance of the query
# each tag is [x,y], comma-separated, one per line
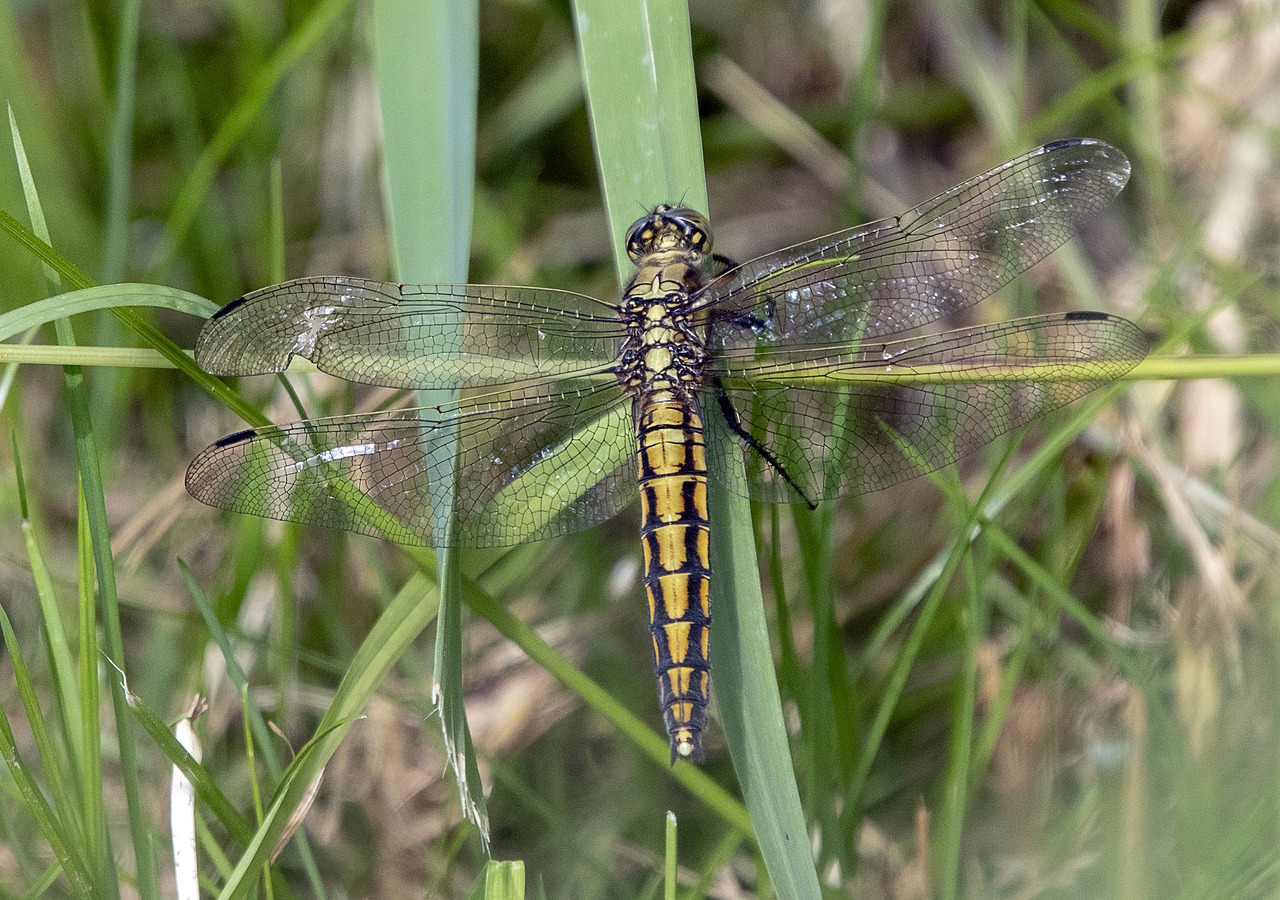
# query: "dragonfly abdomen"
[674,530]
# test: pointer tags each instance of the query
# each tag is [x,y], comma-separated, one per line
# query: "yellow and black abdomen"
[674,529]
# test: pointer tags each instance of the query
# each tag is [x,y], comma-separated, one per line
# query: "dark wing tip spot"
[230,308]
[239,437]
[1066,142]
[1088,315]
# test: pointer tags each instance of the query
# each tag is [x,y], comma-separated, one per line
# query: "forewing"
[941,257]
[412,336]
[855,422]
[524,467]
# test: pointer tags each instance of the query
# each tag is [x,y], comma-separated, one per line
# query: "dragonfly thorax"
[664,349]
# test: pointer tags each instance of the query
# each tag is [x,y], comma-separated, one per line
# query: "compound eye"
[639,238]
[694,226]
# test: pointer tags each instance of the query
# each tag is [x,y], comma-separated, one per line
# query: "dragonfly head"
[669,228]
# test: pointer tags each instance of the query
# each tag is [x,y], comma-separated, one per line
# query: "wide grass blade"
[426,63]
[503,880]
[638,69]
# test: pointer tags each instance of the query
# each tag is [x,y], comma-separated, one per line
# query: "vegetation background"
[1088,708]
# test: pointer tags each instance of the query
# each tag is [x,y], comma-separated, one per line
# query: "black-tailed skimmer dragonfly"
[564,408]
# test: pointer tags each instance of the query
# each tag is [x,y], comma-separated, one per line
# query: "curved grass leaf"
[105,296]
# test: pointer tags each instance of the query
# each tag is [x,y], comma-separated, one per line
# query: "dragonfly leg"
[735,425]
[722,263]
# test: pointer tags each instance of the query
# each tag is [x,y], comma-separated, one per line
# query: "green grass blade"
[670,859]
[243,880]
[275,241]
[637,67]
[14,355]
[120,148]
[60,660]
[749,701]
[107,296]
[98,838]
[205,786]
[89,650]
[63,844]
[503,880]
[657,748]
[638,70]
[236,124]
[404,619]
[426,63]
[61,789]
[949,831]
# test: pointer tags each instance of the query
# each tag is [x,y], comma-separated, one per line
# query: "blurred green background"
[1092,710]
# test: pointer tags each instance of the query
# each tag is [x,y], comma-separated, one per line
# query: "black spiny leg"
[735,425]
[722,263]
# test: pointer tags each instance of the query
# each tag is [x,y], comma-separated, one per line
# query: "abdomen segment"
[674,530]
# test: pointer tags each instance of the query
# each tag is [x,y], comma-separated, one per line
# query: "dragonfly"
[560,410]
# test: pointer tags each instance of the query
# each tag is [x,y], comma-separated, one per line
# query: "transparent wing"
[410,335]
[943,256]
[856,421]
[527,466]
